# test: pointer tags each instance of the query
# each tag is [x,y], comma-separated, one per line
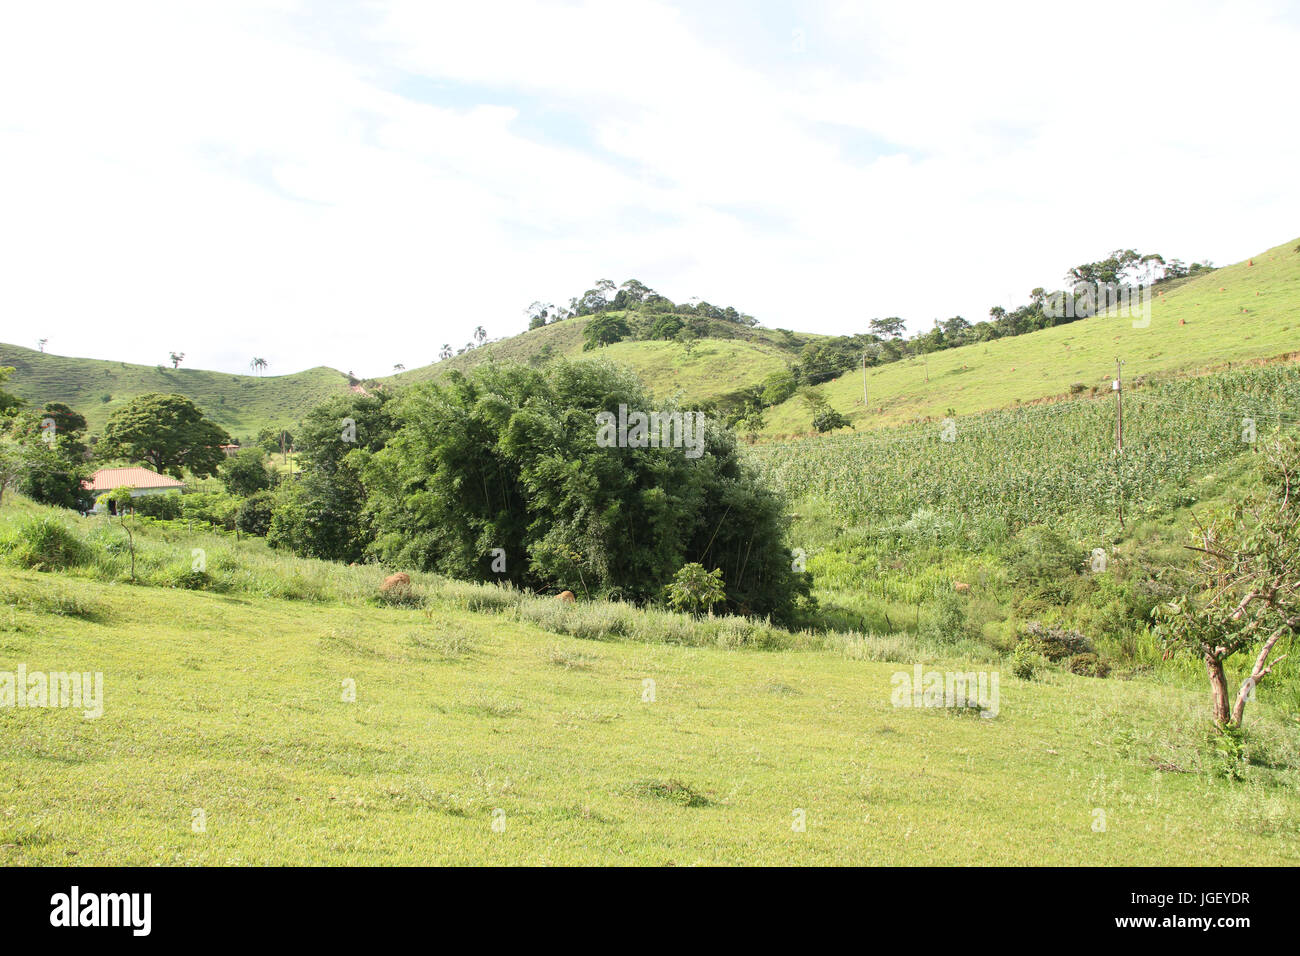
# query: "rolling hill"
[1244,312]
[242,404]
[730,359]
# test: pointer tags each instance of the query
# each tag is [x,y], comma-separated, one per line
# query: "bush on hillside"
[254,514]
[164,506]
[215,508]
[508,458]
[1041,560]
[829,420]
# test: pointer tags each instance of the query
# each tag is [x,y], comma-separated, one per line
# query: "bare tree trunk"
[1218,689]
[1261,670]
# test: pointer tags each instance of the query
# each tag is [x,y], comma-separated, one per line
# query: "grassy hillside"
[732,358]
[481,707]
[242,404]
[889,519]
[1238,313]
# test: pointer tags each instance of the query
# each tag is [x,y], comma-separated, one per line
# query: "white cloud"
[262,179]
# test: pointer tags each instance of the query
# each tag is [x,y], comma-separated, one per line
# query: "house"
[141,481]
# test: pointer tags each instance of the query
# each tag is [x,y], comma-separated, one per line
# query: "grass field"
[479,707]
[242,404]
[1236,314]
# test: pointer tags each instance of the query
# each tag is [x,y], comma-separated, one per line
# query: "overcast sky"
[355,184]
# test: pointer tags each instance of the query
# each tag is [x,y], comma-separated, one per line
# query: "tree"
[53,455]
[40,344]
[538,313]
[444,353]
[399,367]
[177,358]
[687,336]
[828,419]
[274,440]
[321,514]
[120,500]
[1244,594]
[605,329]
[258,365]
[890,328]
[480,334]
[245,473]
[167,432]
[510,457]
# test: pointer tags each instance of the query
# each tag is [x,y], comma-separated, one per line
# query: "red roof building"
[140,480]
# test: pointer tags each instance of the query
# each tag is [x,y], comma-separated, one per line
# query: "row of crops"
[1048,463]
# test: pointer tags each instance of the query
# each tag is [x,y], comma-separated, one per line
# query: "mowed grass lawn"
[234,705]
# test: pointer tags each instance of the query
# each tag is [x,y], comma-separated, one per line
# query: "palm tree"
[445,352]
[177,358]
[40,344]
[480,334]
[258,364]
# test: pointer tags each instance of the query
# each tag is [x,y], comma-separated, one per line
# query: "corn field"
[991,474]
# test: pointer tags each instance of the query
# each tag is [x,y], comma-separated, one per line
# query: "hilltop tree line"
[639,313]
[884,342]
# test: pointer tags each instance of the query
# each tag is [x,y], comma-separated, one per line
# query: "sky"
[356,184]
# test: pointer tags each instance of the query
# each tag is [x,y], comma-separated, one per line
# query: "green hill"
[732,357]
[1244,312]
[242,404]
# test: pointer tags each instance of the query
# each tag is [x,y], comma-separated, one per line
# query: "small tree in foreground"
[1245,591]
[119,500]
[695,590]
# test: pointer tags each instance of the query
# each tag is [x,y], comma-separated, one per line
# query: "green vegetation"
[312,724]
[241,404]
[168,433]
[401,723]
[503,475]
[1236,314]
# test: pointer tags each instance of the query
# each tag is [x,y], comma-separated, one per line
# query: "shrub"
[829,420]
[696,590]
[1055,643]
[1088,665]
[1025,660]
[254,514]
[215,508]
[165,506]
[948,624]
[1042,560]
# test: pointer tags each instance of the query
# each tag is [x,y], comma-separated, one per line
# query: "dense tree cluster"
[507,458]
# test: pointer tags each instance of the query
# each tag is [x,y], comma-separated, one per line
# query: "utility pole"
[1118,385]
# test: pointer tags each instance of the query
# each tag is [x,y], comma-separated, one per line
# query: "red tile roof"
[106,479]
